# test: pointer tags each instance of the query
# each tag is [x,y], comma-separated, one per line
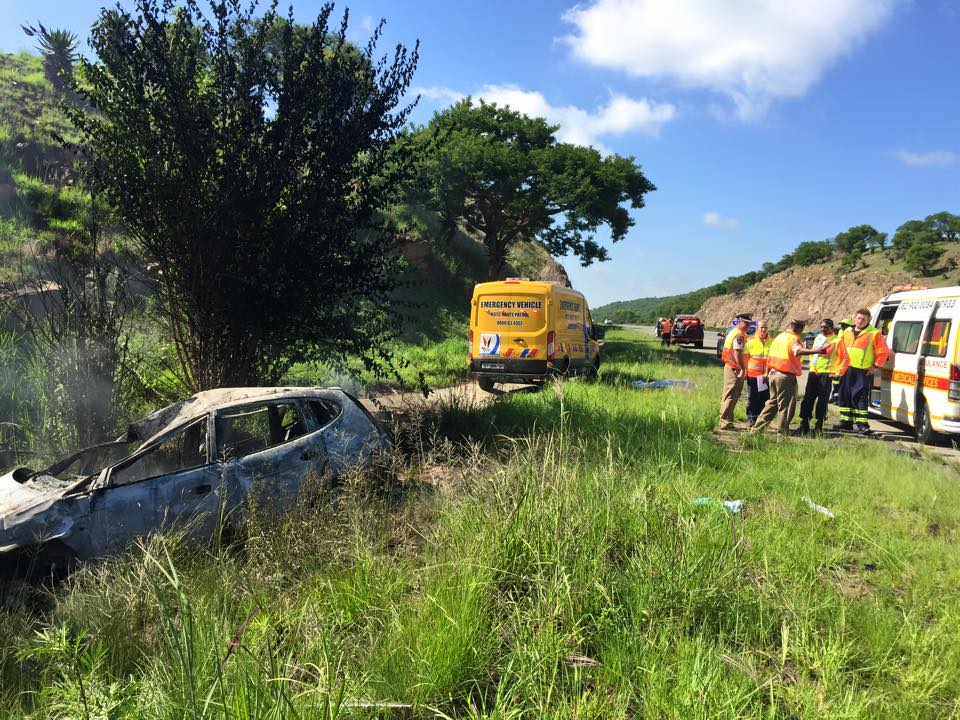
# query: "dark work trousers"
[756,399]
[854,395]
[819,387]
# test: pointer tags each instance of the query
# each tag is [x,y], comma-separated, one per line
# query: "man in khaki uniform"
[734,370]
[784,367]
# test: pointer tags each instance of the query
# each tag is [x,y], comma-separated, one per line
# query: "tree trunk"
[496,255]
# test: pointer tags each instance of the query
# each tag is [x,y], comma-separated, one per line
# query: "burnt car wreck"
[186,466]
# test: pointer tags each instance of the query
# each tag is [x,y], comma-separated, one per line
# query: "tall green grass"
[561,569]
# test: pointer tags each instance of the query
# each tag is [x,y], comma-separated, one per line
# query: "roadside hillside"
[823,290]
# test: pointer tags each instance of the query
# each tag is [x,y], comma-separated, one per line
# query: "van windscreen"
[521,313]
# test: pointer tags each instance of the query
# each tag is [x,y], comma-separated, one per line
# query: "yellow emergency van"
[525,331]
[920,383]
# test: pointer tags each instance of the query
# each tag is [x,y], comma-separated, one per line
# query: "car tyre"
[924,430]
[486,384]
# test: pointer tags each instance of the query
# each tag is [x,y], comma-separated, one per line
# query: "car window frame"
[306,413]
[105,480]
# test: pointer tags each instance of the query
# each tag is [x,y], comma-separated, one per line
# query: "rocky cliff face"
[816,291]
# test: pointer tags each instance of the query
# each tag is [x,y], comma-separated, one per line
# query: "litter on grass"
[734,506]
[664,385]
[819,508]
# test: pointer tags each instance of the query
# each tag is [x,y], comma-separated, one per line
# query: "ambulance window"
[885,318]
[935,342]
[906,337]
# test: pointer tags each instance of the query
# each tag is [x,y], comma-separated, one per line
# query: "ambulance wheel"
[923,429]
[593,372]
[486,384]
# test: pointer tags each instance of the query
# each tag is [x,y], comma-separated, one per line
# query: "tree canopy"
[248,159]
[505,176]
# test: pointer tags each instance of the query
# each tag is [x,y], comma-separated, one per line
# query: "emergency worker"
[835,366]
[665,327]
[758,390]
[734,370]
[819,384]
[863,351]
[784,366]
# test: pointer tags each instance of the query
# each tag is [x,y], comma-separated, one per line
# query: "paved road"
[883,429]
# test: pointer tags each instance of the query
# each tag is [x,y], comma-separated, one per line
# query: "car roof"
[167,418]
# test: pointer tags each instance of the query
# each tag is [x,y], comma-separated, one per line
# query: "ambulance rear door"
[900,377]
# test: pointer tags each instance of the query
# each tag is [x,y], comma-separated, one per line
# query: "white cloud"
[753,51]
[439,93]
[713,219]
[934,157]
[619,116]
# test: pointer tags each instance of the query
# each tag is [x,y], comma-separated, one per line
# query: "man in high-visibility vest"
[734,370]
[665,327]
[835,369]
[783,368]
[863,351]
[819,384]
[758,391]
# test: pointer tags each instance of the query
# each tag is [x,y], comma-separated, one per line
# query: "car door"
[269,452]
[169,484]
[902,374]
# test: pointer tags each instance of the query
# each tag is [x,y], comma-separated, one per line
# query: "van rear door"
[903,373]
[510,325]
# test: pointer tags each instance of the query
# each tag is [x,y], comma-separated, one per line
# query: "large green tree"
[506,177]
[856,240]
[249,158]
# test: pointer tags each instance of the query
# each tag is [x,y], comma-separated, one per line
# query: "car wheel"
[924,430]
[486,384]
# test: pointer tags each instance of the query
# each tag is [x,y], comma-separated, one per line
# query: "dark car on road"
[751,329]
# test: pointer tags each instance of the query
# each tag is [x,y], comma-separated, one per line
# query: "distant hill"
[641,310]
[826,289]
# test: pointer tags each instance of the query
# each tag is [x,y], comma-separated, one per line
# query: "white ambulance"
[920,383]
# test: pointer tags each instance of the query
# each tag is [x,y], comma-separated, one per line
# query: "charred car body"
[194,462]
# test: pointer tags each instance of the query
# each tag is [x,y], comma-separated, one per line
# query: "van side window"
[906,337]
[935,342]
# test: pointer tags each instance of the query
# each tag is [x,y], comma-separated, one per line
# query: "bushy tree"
[858,239]
[505,176]
[810,253]
[946,226]
[912,232]
[921,257]
[248,159]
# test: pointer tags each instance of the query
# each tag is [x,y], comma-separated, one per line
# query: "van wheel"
[486,384]
[923,429]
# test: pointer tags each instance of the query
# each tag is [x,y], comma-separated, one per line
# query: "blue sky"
[763,123]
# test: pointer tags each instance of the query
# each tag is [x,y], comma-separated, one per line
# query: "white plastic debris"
[819,508]
[733,506]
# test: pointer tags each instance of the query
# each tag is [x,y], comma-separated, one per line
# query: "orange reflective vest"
[756,351]
[727,353]
[665,328]
[781,356]
[865,350]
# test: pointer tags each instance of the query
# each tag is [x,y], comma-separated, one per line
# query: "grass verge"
[562,568]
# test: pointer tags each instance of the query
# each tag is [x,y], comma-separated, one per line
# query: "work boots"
[844,426]
[804,428]
[818,428]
